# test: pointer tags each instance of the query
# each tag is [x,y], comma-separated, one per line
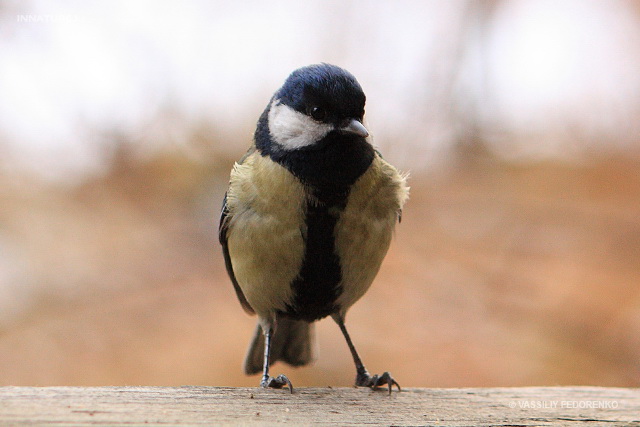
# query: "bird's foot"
[375,381]
[276,382]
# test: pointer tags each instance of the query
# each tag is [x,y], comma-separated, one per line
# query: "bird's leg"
[363,378]
[267,381]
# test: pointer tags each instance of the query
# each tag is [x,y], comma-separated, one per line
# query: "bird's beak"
[355,127]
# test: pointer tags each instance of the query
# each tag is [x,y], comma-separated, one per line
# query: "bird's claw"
[276,382]
[375,381]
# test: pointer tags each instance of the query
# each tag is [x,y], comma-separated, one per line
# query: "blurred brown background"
[518,258]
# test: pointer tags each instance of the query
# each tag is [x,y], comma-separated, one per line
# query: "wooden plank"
[189,405]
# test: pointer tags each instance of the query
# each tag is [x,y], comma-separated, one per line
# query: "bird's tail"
[292,343]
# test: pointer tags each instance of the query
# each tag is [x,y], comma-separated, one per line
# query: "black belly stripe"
[329,167]
[318,286]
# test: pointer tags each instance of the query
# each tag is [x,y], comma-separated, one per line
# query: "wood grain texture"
[190,405]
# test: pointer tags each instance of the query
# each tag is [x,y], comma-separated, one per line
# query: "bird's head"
[313,102]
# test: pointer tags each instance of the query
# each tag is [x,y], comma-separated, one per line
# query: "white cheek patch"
[291,129]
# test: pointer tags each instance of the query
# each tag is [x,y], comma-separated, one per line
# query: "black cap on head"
[329,88]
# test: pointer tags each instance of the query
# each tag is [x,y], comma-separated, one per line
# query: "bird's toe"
[277,382]
[377,381]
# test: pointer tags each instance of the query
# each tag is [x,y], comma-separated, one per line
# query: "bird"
[308,218]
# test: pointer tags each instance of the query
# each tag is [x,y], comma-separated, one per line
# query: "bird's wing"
[403,178]
[223,229]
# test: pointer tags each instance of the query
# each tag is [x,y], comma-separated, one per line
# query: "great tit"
[308,218]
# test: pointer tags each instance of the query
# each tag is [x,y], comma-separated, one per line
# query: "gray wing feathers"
[223,228]
[222,235]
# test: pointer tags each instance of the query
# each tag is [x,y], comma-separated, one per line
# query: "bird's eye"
[318,113]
